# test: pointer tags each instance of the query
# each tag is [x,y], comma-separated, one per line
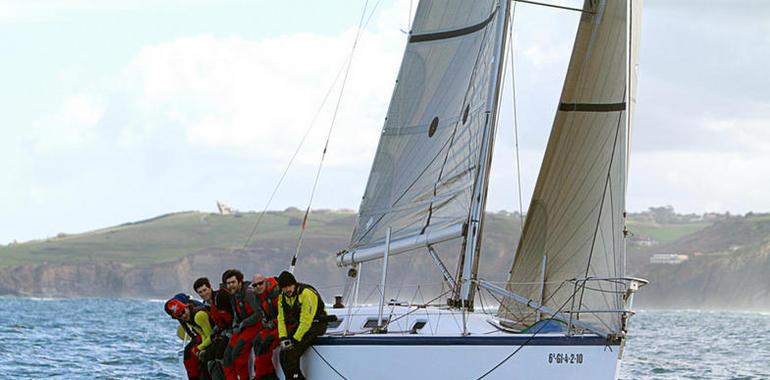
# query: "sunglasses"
[259,283]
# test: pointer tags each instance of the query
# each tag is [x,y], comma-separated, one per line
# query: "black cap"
[285,279]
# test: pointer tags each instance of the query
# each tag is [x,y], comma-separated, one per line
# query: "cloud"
[723,9]
[226,105]
[257,98]
[698,182]
[25,10]
[71,127]
[704,88]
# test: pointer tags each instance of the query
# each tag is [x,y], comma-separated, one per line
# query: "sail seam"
[452,33]
[448,145]
[417,205]
[406,191]
[601,207]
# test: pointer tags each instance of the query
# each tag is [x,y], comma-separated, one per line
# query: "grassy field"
[170,237]
[664,232]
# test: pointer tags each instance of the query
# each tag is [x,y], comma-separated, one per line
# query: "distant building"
[641,241]
[225,209]
[668,258]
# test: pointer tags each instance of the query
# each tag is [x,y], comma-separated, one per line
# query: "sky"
[114,111]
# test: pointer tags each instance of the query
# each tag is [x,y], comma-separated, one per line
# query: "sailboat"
[564,311]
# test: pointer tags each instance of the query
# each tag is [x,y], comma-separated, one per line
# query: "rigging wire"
[312,124]
[515,117]
[327,363]
[296,153]
[305,219]
[518,349]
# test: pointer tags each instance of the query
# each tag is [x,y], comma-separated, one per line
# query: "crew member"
[194,324]
[301,319]
[220,312]
[246,315]
[267,291]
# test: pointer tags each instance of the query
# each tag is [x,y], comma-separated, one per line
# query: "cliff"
[727,268]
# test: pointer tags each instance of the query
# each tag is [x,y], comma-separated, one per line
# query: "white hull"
[486,353]
[461,362]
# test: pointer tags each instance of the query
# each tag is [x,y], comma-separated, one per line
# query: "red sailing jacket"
[245,306]
[221,309]
[268,301]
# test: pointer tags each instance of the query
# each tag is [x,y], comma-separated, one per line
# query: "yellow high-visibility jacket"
[308,301]
[202,327]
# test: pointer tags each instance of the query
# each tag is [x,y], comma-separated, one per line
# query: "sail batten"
[592,107]
[575,219]
[451,33]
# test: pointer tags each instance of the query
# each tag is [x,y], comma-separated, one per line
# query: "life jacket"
[291,312]
[241,308]
[190,326]
[268,300]
[188,329]
[176,305]
[220,311]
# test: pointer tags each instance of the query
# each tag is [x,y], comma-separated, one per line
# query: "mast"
[472,246]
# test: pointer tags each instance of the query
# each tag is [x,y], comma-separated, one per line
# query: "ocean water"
[125,339]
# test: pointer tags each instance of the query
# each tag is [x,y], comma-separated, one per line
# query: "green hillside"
[172,236]
[725,254]
[169,237]
[664,232]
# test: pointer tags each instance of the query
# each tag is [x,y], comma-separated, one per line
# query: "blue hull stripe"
[514,340]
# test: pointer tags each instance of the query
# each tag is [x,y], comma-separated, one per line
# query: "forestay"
[428,156]
[576,217]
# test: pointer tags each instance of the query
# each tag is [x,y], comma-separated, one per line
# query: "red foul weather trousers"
[236,360]
[191,362]
[264,344]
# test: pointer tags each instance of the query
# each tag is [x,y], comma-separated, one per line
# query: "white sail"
[428,186]
[429,152]
[575,222]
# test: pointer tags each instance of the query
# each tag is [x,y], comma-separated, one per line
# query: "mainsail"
[430,149]
[575,223]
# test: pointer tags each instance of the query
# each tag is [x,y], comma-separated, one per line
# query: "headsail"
[575,222]
[428,157]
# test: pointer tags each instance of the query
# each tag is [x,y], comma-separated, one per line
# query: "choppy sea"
[127,339]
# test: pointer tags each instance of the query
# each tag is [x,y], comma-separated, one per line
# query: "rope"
[306,217]
[328,364]
[294,155]
[346,63]
[516,351]
[400,288]
[529,313]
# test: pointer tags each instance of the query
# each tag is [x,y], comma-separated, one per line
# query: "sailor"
[220,312]
[246,315]
[194,324]
[301,319]
[266,342]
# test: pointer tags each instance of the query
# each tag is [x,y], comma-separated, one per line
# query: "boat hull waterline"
[460,360]
[436,350]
